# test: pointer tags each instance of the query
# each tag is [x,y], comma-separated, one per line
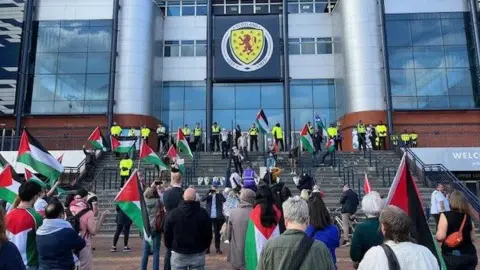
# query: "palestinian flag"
[182,143]
[256,237]
[173,155]
[148,156]
[404,194]
[97,140]
[330,145]
[130,200]
[262,122]
[33,154]
[121,146]
[366,185]
[8,185]
[307,141]
[321,125]
[29,176]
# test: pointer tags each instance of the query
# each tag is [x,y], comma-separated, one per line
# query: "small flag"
[182,143]
[33,154]
[330,145]
[321,125]
[97,140]
[29,176]
[60,158]
[130,199]
[307,141]
[404,194]
[366,185]
[148,156]
[172,154]
[262,122]
[121,146]
[8,185]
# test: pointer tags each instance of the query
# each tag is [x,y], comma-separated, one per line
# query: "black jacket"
[218,202]
[188,229]
[305,182]
[349,202]
[172,197]
[279,200]
[122,218]
[90,157]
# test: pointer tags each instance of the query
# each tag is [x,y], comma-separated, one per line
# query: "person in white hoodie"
[224,140]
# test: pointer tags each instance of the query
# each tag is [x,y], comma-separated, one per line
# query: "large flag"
[321,125]
[366,185]
[262,122]
[8,185]
[148,156]
[130,199]
[121,146]
[404,194]
[97,140]
[172,154]
[182,143]
[307,141]
[256,237]
[33,154]
[29,176]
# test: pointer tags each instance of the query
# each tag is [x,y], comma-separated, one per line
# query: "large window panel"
[462,102]
[404,102]
[308,45]
[272,96]
[97,87]
[426,32]
[324,96]
[48,39]
[224,118]
[173,98]
[98,63]
[454,32]
[188,48]
[403,82]
[73,39]
[301,96]
[223,97]
[92,106]
[293,46]
[431,82]
[191,117]
[274,116]
[459,82]
[69,63]
[195,98]
[46,63]
[456,56]
[44,87]
[245,118]
[429,57]
[40,107]
[247,96]
[174,119]
[400,57]
[99,39]
[70,87]
[439,102]
[300,117]
[398,33]
[71,106]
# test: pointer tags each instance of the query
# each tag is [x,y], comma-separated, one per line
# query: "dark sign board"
[468,175]
[246,48]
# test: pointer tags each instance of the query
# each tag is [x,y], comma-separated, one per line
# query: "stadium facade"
[86,63]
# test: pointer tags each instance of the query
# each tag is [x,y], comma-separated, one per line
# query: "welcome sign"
[453,158]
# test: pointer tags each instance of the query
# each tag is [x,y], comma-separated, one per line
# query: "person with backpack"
[123,225]
[156,216]
[56,239]
[84,220]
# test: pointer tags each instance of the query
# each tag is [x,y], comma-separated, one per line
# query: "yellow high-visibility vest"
[413,136]
[125,163]
[197,132]
[405,137]
[116,130]
[381,130]
[186,131]
[332,131]
[311,129]
[253,131]
[145,132]
[361,128]
[277,132]
[215,130]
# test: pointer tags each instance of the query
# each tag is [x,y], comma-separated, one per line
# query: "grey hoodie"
[152,206]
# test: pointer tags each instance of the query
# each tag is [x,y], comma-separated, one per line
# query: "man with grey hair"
[294,249]
[395,225]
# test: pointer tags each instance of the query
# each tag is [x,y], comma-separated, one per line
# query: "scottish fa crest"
[247,46]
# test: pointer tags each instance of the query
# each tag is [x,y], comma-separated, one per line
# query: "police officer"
[126,165]
[145,132]
[215,137]
[405,138]
[187,132]
[361,131]
[115,130]
[253,132]
[413,139]
[197,137]
[278,136]
[161,137]
[311,129]
[131,132]
[332,132]
[381,131]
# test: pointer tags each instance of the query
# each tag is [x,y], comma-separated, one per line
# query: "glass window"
[70,87]
[174,119]
[173,10]
[261,9]
[73,39]
[459,82]
[247,96]
[272,96]
[218,10]
[191,117]
[306,7]
[292,7]
[99,39]
[324,96]
[195,98]
[300,117]
[301,96]
[172,48]
[403,82]
[44,87]
[429,57]
[461,102]
[98,63]
[39,107]
[456,56]
[48,39]
[321,7]
[274,116]
[223,97]
[202,10]
[398,33]
[224,118]
[324,48]
[454,32]
[246,9]
[400,57]
[71,106]
[426,32]
[232,10]
[95,106]
[188,10]
[275,9]
[308,45]
[431,82]
[97,87]
[46,63]
[173,98]
[404,102]
[245,118]
[293,46]
[188,48]
[72,63]
[439,102]
[201,48]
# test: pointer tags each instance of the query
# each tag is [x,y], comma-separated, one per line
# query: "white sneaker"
[226,241]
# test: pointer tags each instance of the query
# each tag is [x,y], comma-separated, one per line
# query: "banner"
[247,48]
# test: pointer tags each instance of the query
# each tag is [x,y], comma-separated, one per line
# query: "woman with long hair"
[321,226]
[265,217]
[154,206]
[10,258]
[464,256]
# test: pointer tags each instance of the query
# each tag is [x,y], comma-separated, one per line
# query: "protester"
[171,199]
[235,181]
[329,151]
[321,226]
[395,226]
[280,194]
[238,134]
[10,258]
[188,233]
[250,178]
[293,158]
[464,256]
[367,234]
[90,160]
[154,207]
[305,181]
[123,225]
[237,229]
[231,202]
[242,145]
[22,223]
[214,208]
[89,226]
[224,140]
[56,239]
[438,202]
[237,159]
[349,202]
[294,249]
[41,203]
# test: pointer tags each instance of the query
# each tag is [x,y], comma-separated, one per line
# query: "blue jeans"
[156,252]
[168,257]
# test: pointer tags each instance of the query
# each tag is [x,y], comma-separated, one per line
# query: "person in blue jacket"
[321,226]
[57,240]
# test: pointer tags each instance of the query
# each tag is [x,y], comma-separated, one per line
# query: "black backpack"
[74,220]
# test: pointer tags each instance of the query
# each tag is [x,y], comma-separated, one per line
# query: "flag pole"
[140,153]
